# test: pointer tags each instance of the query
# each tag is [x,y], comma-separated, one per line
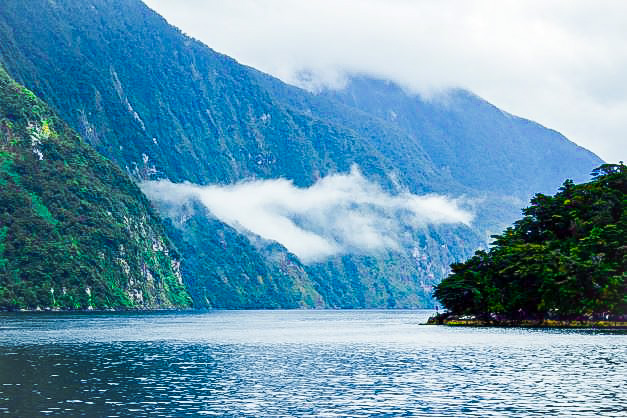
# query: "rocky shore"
[472,321]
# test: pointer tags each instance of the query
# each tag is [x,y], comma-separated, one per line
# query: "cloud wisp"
[341,213]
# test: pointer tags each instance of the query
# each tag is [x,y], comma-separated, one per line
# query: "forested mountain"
[481,146]
[75,231]
[162,105]
[490,154]
[565,258]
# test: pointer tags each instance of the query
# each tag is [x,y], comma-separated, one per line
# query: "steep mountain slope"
[481,146]
[491,155]
[224,269]
[162,105]
[75,232]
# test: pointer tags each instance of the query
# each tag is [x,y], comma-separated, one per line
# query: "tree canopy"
[565,258]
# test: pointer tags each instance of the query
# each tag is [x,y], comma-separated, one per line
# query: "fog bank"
[340,213]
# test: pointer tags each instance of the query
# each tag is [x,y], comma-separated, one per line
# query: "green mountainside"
[75,231]
[566,258]
[235,273]
[489,154]
[481,146]
[162,105]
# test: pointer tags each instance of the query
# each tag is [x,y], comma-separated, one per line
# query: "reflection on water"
[357,363]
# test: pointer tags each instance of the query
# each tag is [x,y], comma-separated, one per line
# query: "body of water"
[312,363]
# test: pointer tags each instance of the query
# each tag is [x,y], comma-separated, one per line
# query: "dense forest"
[564,259]
[75,231]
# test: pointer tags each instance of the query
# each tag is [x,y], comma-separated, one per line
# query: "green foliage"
[3,236]
[225,270]
[566,257]
[75,232]
[41,210]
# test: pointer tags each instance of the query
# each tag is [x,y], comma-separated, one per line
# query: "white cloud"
[560,62]
[340,213]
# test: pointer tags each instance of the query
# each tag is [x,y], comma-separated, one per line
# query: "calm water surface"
[320,363]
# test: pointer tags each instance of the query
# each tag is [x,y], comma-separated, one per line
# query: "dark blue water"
[316,363]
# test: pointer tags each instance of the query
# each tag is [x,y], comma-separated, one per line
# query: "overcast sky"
[560,63]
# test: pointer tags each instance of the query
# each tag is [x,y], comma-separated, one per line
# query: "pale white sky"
[562,63]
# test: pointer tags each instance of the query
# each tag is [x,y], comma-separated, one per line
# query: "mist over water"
[260,363]
[340,213]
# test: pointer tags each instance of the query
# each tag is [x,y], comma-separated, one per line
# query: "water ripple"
[303,363]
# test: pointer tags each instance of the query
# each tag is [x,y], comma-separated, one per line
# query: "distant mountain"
[481,146]
[162,105]
[75,231]
[476,148]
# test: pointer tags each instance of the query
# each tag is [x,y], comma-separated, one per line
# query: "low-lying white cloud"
[340,213]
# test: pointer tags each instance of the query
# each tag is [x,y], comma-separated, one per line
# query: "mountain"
[223,268]
[481,146]
[75,231]
[161,104]
[491,155]
[164,106]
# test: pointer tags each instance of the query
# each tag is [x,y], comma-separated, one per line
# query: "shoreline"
[95,311]
[529,323]
[200,310]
